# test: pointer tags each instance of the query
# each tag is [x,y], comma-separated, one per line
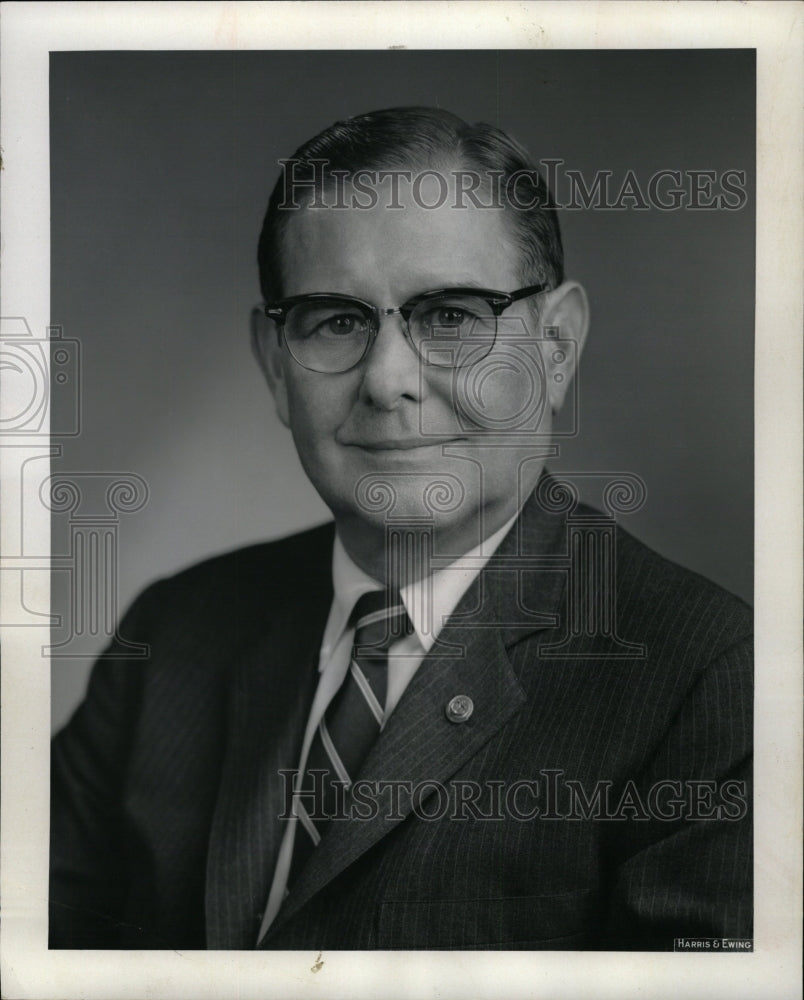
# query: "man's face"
[375,440]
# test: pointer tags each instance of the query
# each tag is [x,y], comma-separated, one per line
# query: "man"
[471,713]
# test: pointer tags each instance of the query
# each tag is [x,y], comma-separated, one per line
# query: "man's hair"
[420,138]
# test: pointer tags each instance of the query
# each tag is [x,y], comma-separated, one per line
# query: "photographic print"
[400,482]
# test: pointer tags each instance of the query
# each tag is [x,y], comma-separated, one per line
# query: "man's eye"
[340,325]
[450,317]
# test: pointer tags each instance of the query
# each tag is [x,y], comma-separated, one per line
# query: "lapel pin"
[460,708]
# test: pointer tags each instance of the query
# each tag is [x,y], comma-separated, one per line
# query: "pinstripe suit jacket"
[166,795]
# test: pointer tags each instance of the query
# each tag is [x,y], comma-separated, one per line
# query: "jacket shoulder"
[251,578]
[291,554]
[666,597]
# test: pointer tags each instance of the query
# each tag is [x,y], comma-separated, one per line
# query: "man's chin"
[417,525]
[420,499]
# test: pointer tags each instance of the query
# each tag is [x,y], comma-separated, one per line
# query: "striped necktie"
[351,723]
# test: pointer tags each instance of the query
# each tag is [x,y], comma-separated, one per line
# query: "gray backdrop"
[161,166]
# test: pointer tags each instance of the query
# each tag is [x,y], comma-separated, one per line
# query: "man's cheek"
[315,416]
[308,412]
[504,392]
[303,426]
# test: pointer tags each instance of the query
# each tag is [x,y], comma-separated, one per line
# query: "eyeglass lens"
[332,335]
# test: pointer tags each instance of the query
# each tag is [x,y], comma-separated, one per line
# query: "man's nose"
[391,370]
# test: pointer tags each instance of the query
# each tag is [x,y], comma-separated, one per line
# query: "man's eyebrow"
[454,282]
[469,283]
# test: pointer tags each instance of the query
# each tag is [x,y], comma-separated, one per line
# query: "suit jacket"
[607,684]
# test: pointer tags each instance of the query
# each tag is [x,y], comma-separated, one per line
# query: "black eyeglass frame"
[497,301]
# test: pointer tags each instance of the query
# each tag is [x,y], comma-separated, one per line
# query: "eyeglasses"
[448,327]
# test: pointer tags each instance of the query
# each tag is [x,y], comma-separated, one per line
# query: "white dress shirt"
[446,587]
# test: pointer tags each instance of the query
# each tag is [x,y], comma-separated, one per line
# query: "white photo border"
[30,31]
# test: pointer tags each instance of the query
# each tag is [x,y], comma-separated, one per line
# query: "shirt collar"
[428,602]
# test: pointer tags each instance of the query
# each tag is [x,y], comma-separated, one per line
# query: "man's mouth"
[400,443]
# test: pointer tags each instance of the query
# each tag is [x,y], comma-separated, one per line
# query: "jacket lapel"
[504,604]
[271,689]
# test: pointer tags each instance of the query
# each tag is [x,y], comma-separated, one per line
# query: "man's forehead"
[426,205]
[421,248]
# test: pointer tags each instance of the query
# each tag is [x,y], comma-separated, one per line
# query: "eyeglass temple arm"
[523,293]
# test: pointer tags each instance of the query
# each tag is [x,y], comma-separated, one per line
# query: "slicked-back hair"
[426,139]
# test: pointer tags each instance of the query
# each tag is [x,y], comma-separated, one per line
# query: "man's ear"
[564,316]
[267,350]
